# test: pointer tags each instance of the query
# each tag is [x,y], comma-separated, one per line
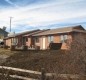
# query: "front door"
[43,44]
[23,41]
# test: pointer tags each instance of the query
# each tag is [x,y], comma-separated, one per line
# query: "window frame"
[50,39]
[63,38]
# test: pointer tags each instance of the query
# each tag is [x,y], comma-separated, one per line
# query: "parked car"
[1,44]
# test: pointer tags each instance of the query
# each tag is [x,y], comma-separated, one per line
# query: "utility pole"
[10,22]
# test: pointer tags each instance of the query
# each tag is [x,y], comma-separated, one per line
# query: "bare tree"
[77,51]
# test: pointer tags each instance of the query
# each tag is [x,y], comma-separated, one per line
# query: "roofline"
[8,37]
[23,33]
[36,32]
[62,32]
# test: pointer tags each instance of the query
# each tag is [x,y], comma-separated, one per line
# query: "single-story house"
[43,38]
[59,35]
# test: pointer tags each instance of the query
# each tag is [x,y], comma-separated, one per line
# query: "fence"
[43,75]
[11,69]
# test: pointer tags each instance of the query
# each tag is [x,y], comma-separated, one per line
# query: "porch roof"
[26,32]
[37,32]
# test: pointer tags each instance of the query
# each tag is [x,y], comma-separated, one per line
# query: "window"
[15,41]
[50,39]
[64,38]
[37,39]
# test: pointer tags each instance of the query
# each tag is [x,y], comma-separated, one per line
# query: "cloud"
[43,13]
[9,1]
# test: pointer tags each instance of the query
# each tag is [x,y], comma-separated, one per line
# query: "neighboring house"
[43,38]
[3,34]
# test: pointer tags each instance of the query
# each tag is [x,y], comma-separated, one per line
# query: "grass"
[5,52]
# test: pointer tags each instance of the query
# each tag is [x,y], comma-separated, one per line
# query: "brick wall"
[8,42]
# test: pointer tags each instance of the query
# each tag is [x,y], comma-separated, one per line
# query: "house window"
[64,38]
[50,39]
[15,41]
[37,39]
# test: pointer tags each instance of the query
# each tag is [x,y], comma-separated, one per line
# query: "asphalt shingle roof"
[78,28]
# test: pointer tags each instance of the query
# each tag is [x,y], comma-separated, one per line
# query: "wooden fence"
[42,74]
[10,69]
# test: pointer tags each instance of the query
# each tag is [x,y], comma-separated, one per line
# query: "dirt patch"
[53,61]
[3,58]
[4,54]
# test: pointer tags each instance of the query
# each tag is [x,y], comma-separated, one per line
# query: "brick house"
[59,35]
[43,38]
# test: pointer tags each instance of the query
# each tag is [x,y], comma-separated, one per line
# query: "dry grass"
[5,52]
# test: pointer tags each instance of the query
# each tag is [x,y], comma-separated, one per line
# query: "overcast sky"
[42,14]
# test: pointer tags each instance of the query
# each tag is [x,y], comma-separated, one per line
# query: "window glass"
[50,39]
[64,38]
[15,41]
